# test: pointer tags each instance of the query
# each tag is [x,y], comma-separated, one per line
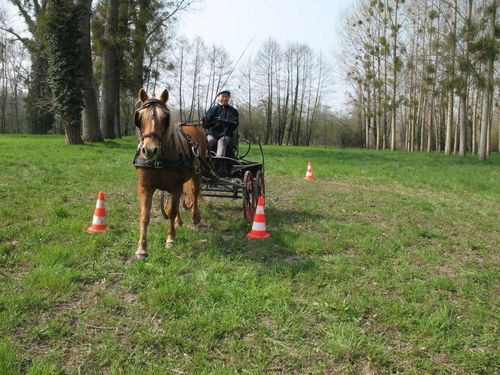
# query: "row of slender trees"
[423,74]
[278,91]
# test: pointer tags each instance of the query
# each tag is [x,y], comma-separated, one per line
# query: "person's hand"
[207,125]
[225,121]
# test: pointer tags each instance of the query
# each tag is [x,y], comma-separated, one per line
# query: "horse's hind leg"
[196,216]
[174,218]
[145,199]
[191,193]
[166,207]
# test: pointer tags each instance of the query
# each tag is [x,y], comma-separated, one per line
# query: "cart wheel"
[260,186]
[249,200]
[164,202]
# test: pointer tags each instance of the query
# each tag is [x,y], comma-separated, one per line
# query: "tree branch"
[25,41]
[180,6]
[36,6]
[24,13]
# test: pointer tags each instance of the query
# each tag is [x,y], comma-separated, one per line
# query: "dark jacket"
[221,121]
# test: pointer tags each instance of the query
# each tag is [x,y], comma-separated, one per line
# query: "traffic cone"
[99,219]
[259,222]
[309,174]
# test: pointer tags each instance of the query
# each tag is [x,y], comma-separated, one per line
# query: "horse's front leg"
[174,218]
[145,199]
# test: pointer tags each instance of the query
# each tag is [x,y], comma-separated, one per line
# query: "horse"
[169,158]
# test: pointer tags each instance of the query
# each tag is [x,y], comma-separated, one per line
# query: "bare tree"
[491,11]
[464,81]
[267,60]
[39,99]
[396,66]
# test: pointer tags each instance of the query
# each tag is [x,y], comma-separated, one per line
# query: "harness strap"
[176,165]
[208,165]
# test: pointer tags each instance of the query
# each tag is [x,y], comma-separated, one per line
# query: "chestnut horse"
[167,158]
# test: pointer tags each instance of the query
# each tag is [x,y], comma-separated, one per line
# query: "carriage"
[234,176]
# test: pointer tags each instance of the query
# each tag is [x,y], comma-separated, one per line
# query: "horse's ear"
[164,96]
[142,95]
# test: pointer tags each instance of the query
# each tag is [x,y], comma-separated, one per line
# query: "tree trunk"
[394,76]
[3,79]
[72,134]
[488,87]
[40,112]
[110,74]
[430,125]
[451,95]
[474,122]
[367,118]
[250,96]
[269,107]
[181,79]
[294,105]
[139,43]
[91,130]
[465,89]
[196,63]
[456,129]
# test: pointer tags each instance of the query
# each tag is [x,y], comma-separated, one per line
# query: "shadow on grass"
[227,236]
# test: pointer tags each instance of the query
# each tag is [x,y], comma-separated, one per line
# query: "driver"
[221,122]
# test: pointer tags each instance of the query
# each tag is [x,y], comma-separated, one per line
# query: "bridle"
[151,134]
[185,158]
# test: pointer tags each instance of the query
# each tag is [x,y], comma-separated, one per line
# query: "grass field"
[388,263]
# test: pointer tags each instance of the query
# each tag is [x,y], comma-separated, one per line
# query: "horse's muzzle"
[150,145]
[150,153]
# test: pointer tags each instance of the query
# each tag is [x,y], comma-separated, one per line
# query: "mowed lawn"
[388,263]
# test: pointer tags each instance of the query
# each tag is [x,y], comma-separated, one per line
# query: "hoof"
[140,255]
[196,219]
[169,243]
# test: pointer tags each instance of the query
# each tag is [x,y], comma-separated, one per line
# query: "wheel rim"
[260,184]
[248,196]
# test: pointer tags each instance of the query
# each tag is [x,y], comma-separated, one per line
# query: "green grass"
[386,263]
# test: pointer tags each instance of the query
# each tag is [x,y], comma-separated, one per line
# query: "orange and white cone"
[259,222]
[99,219]
[309,174]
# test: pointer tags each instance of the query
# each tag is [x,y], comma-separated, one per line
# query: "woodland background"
[423,74]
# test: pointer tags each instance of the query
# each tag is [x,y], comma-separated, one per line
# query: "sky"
[233,24]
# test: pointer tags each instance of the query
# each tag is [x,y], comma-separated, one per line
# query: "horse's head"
[152,119]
